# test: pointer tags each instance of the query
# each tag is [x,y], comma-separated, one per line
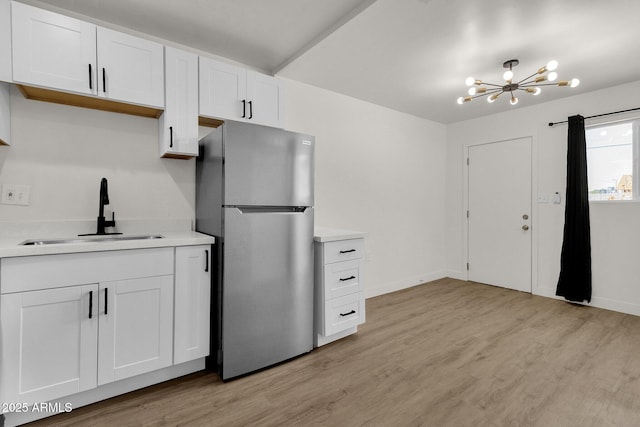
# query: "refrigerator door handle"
[270,209]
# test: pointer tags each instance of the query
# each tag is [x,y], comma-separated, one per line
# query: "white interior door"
[499,217]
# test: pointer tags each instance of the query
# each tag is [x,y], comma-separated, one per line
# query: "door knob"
[525,227]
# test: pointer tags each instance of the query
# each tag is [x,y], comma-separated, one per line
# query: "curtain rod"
[598,115]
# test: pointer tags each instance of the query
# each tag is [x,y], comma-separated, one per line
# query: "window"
[612,161]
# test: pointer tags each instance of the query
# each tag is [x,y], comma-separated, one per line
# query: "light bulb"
[492,98]
[460,100]
[552,65]
[472,91]
[508,75]
[537,91]
[470,81]
[513,100]
[574,82]
[552,76]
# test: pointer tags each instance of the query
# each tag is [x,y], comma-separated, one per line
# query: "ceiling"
[409,55]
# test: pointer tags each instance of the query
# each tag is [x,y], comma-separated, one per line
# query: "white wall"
[378,171]
[62,152]
[615,228]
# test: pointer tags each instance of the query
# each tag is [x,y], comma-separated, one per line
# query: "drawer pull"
[348,314]
[90,304]
[347,251]
[347,278]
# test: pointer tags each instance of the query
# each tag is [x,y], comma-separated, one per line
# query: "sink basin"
[92,239]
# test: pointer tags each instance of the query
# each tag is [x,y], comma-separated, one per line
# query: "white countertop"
[322,234]
[174,233]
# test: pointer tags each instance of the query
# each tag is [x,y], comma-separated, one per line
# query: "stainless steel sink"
[91,239]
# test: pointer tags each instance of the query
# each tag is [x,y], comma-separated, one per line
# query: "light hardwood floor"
[447,353]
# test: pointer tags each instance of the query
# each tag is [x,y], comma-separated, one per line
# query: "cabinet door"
[265,94]
[192,303]
[49,343]
[130,69]
[5,41]
[53,50]
[178,125]
[223,90]
[5,114]
[136,327]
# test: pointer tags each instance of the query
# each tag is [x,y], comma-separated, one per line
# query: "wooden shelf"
[209,122]
[95,103]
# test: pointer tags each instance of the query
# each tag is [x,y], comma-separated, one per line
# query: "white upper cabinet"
[5,114]
[178,125]
[130,69]
[265,94]
[62,53]
[53,50]
[223,89]
[231,92]
[5,41]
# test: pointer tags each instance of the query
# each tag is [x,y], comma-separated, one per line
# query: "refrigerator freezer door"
[267,166]
[267,296]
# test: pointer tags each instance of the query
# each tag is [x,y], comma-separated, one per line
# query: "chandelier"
[545,76]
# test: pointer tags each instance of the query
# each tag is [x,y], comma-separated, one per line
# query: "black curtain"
[575,262]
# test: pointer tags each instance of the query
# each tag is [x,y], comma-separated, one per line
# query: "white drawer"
[343,313]
[31,273]
[342,278]
[343,250]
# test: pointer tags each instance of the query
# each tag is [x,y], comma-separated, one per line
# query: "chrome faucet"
[104,200]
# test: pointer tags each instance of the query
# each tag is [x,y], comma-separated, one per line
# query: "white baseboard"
[403,284]
[107,391]
[599,302]
[456,274]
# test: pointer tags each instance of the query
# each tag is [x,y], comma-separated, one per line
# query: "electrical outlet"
[15,194]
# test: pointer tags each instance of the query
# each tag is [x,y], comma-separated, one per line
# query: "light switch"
[15,194]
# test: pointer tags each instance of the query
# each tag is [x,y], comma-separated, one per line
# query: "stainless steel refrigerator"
[254,193]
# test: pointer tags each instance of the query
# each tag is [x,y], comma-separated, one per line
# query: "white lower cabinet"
[49,343]
[73,322]
[340,306]
[192,303]
[135,327]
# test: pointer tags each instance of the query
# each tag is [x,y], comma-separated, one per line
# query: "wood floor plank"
[447,353]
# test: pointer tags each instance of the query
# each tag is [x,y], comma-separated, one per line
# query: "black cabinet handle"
[347,251]
[250,110]
[206,260]
[347,278]
[170,136]
[348,314]
[90,304]
[104,80]
[244,108]
[90,78]
[106,300]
